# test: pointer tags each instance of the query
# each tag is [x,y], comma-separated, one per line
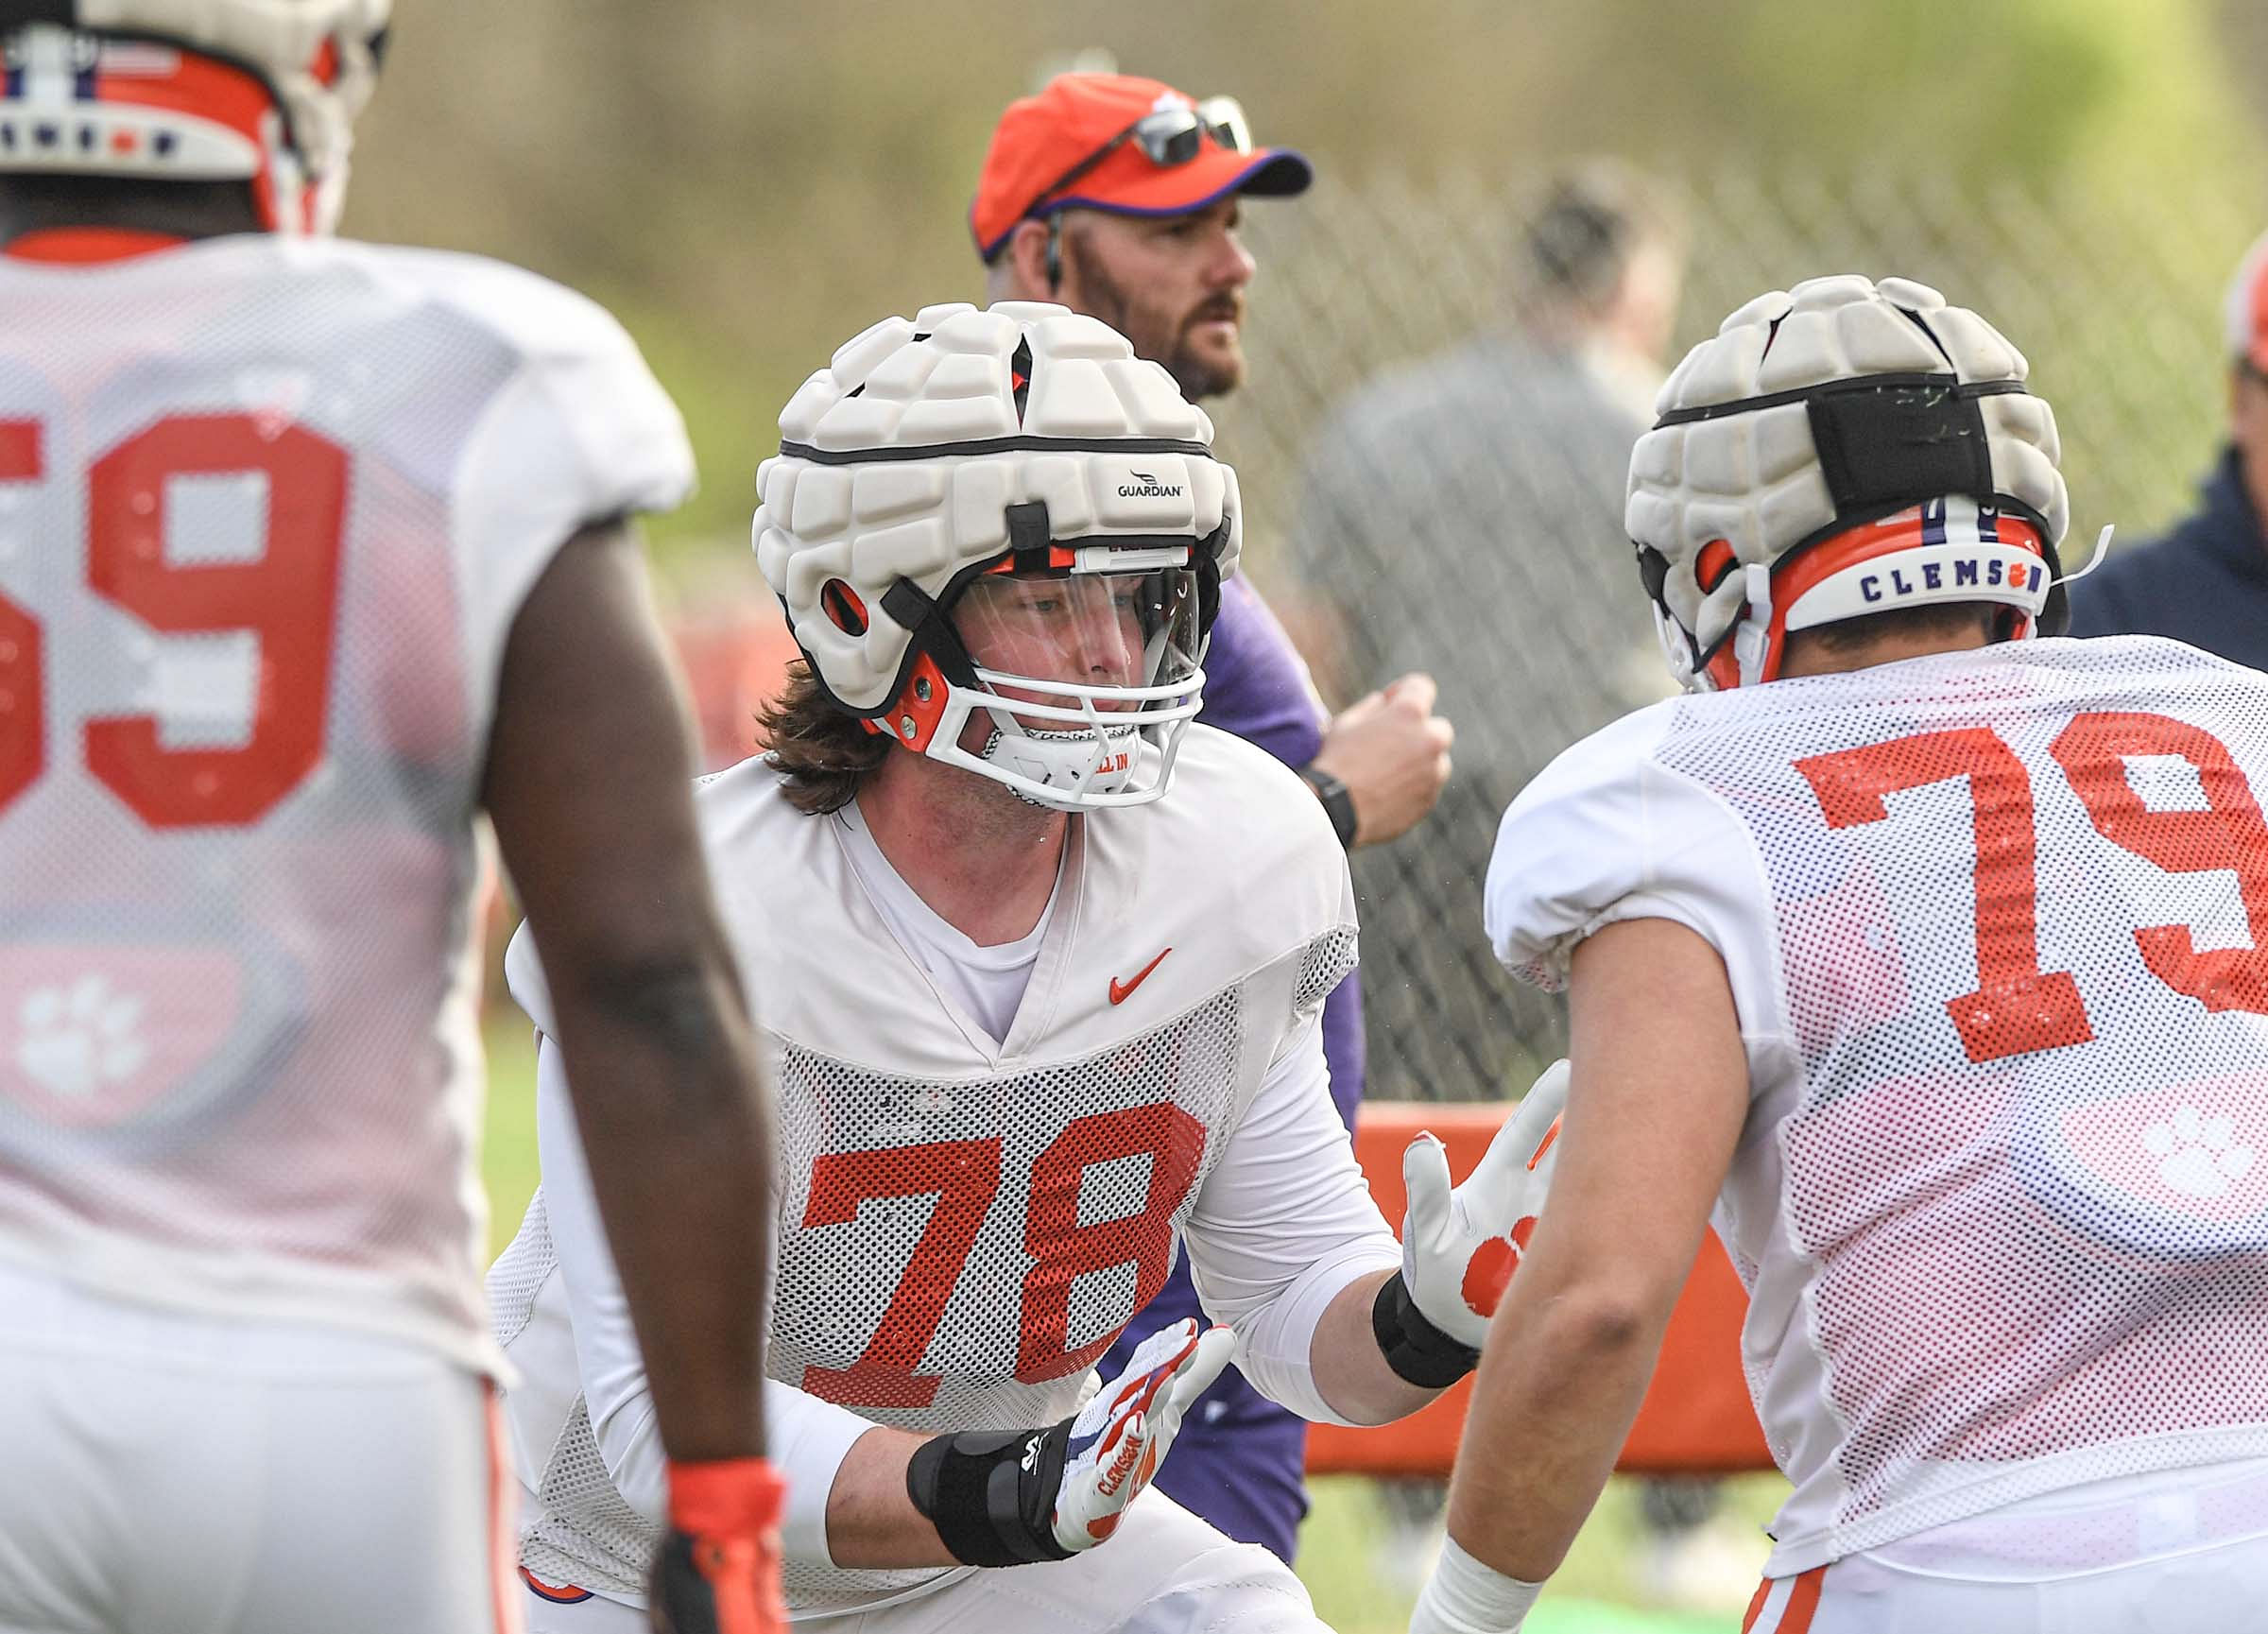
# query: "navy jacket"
[2206,582]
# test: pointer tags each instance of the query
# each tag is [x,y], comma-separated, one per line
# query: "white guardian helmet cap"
[999,538]
[263,92]
[1841,449]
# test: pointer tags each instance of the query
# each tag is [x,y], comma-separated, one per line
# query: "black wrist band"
[1413,1347]
[1337,803]
[991,1494]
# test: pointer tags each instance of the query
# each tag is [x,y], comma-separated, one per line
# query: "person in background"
[1120,198]
[2206,582]
[1515,439]
[1496,467]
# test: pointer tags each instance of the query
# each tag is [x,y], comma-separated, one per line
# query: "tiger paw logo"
[2170,1169]
[76,1041]
[2197,1156]
[1489,1270]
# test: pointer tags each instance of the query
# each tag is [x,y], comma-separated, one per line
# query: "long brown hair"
[825,753]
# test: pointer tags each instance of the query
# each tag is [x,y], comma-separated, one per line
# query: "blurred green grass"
[1359,1560]
[509,1140]
[1362,1566]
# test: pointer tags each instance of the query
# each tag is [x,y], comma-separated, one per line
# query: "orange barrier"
[1697,1418]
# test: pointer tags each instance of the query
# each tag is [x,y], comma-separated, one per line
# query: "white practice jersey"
[965,1223]
[268,510]
[1997,929]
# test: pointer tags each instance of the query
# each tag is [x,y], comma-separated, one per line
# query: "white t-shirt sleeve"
[1606,833]
[581,433]
[807,1439]
[523,979]
[1285,1223]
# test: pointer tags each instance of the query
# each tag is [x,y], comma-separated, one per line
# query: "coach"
[2206,581]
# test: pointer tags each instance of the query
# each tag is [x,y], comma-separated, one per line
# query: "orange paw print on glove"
[1491,1267]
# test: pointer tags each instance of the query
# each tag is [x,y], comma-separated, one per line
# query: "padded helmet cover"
[319,58]
[900,460]
[1815,410]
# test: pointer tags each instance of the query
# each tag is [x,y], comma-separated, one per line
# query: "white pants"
[166,1473]
[1163,1572]
[2222,1590]
[2164,1553]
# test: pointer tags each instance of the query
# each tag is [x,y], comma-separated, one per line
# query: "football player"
[1935,958]
[307,551]
[1041,963]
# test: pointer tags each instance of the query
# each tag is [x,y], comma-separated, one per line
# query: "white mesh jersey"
[1997,929]
[268,510]
[965,1225]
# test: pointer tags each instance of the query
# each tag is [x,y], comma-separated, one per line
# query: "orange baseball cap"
[2247,308]
[1043,140]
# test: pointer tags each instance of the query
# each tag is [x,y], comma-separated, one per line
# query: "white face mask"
[1088,679]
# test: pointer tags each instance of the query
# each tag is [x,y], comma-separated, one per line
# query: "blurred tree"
[749,184]
[2244,30]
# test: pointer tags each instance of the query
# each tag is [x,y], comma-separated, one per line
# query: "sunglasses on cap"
[1169,136]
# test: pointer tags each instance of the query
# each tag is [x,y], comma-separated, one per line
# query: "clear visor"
[1085,680]
[1048,644]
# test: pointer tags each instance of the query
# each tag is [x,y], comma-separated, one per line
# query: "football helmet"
[1004,517]
[261,90]
[1842,448]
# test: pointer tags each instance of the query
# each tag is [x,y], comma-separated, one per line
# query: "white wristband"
[1464,1596]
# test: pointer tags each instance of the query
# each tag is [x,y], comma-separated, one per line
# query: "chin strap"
[1752,646]
[2095,558]
[1677,651]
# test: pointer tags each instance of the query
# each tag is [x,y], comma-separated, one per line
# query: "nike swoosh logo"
[1121,991]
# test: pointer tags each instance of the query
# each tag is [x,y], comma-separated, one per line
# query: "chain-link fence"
[1428,490]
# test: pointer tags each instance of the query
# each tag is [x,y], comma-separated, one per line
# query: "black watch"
[1337,803]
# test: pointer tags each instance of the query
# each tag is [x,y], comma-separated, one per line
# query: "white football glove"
[1009,1499]
[1119,1438]
[1459,1247]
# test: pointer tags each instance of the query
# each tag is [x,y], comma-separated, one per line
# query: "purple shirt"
[1257,687]
[1239,1458]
